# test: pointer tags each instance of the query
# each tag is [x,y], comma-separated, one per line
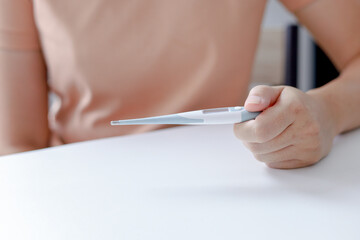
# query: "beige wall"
[270,56]
[269,60]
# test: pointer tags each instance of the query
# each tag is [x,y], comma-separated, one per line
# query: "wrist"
[329,108]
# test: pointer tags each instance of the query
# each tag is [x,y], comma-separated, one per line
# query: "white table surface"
[180,183]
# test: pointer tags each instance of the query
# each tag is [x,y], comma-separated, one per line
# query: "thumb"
[262,97]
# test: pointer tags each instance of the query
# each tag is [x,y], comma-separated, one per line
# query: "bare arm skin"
[335,25]
[23,101]
[23,86]
[297,129]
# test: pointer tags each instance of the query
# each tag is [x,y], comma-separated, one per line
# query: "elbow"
[12,148]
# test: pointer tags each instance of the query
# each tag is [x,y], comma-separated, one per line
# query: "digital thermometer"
[228,115]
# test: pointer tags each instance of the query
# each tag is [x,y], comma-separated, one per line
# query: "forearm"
[23,102]
[334,24]
[341,98]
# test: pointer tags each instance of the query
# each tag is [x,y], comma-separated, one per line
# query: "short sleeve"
[17,25]
[296,5]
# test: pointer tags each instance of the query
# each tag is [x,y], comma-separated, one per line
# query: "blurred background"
[287,53]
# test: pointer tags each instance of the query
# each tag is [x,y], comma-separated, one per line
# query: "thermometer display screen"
[215,110]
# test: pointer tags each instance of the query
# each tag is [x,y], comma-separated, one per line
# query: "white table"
[180,183]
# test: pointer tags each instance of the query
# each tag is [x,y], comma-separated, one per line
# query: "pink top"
[110,60]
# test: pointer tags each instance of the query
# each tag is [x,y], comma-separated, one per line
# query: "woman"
[108,60]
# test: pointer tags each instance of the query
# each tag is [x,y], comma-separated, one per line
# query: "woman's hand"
[294,130]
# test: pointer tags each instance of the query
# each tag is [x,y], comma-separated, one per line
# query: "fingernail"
[254,99]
